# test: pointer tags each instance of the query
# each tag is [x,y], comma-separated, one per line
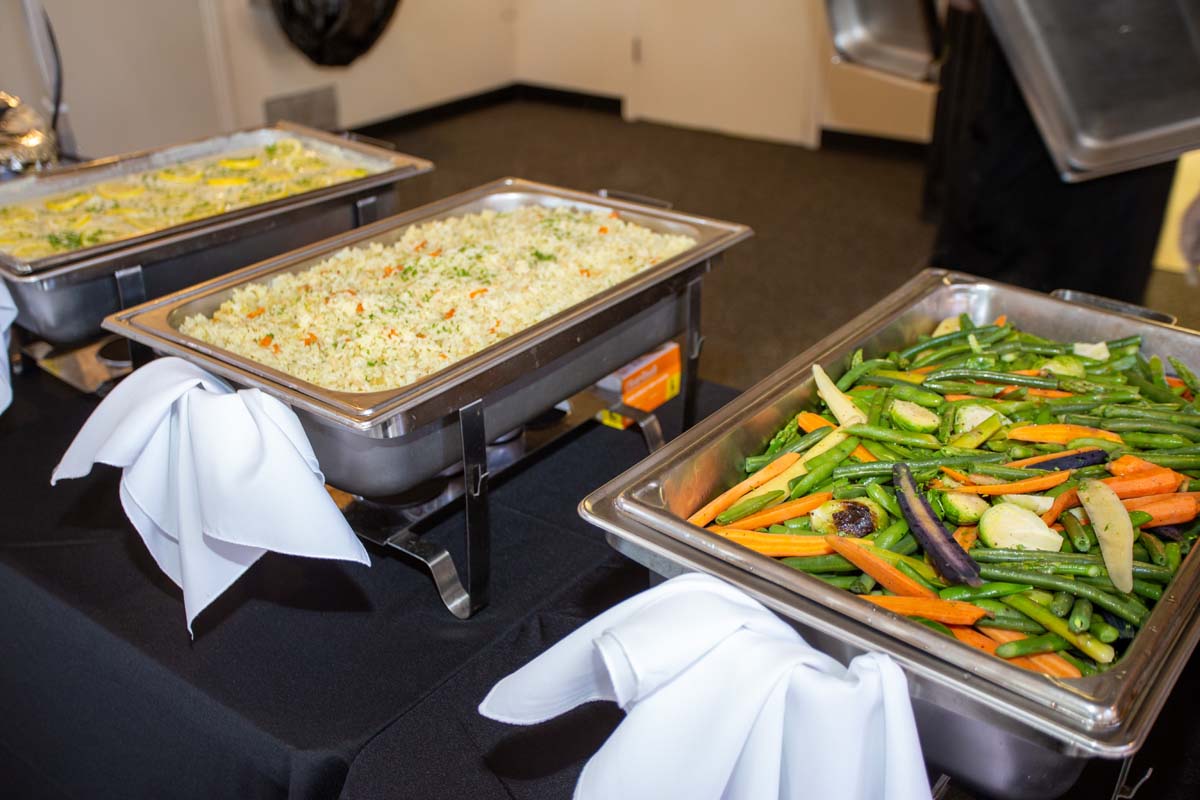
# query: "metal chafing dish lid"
[26,141]
[1113,84]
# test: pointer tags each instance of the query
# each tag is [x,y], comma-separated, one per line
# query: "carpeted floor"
[835,229]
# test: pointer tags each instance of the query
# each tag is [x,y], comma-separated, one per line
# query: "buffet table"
[295,670]
[310,679]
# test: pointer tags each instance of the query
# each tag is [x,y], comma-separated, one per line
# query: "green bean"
[1086,666]
[1155,548]
[1174,555]
[1085,642]
[981,390]
[1103,631]
[881,434]
[1151,390]
[1128,341]
[1143,425]
[994,607]
[937,626]
[821,467]
[1141,587]
[878,404]
[1010,624]
[1061,605]
[1080,618]
[1032,646]
[1047,567]
[748,506]
[851,376]
[906,390]
[1001,378]
[1082,419]
[886,499]
[797,524]
[1138,412]
[1007,473]
[916,576]
[1126,609]
[849,492]
[863,584]
[941,355]
[1094,471]
[1154,441]
[840,581]
[1087,441]
[1062,488]
[1189,461]
[951,338]
[972,439]
[999,555]
[880,450]
[887,538]
[800,445]
[832,563]
[856,471]
[986,591]
[1074,529]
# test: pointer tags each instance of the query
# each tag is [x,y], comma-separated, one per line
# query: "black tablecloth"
[314,679]
[297,667]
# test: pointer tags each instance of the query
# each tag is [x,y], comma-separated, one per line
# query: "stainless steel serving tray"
[381,442]
[1036,730]
[1113,85]
[63,297]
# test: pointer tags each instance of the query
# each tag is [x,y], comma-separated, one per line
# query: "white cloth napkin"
[723,700]
[8,313]
[212,478]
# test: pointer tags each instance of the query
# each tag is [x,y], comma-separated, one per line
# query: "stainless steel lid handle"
[1117,306]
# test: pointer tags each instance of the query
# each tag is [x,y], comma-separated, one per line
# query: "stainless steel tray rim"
[382,414]
[636,497]
[914,660]
[82,259]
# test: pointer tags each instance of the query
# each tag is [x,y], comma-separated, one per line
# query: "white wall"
[581,45]
[432,52]
[135,71]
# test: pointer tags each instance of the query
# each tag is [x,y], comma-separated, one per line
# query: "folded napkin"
[212,478]
[8,313]
[723,700]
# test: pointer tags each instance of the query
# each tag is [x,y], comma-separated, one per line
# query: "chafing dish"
[996,727]
[63,298]
[380,443]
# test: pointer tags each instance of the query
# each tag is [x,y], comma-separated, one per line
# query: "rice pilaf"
[380,316]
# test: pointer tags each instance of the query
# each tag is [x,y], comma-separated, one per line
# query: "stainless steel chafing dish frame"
[63,297]
[1067,721]
[380,443]
[395,412]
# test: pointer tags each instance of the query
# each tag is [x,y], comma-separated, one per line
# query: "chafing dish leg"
[131,290]
[366,211]
[692,344]
[475,486]
[1122,790]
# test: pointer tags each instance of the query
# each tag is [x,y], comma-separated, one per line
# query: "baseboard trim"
[493,97]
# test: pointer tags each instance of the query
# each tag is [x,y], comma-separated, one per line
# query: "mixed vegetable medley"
[1029,497]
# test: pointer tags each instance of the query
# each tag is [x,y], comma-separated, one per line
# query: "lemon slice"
[352,172]
[80,221]
[120,191]
[180,174]
[68,202]
[30,250]
[17,213]
[8,238]
[228,181]
[250,162]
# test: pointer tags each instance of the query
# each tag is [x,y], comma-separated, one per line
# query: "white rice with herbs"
[384,316]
